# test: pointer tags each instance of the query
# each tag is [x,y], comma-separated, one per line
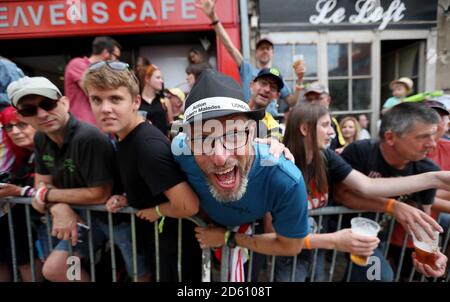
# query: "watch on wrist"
[231,242]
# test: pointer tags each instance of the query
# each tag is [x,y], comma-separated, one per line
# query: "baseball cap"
[438,106]
[405,81]
[178,93]
[32,85]
[216,95]
[264,40]
[273,73]
[316,87]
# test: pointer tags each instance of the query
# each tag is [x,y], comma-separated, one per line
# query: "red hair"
[8,115]
[150,70]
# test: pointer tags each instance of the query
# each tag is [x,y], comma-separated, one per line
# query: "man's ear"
[389,137]
[303,128]
[252,85]
[136,102]
[65,102]
[105,54]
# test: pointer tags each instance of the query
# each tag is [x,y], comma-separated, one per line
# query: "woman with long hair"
[154,105]
[350,129]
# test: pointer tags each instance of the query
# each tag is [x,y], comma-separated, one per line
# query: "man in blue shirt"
[263,54]
[237,181]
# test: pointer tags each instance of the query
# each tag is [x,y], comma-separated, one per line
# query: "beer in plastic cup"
[297,59]
[426,249]
[366,227]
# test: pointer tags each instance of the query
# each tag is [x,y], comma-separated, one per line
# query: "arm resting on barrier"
[80,196]
[183,202]
[267,244]
[405,214]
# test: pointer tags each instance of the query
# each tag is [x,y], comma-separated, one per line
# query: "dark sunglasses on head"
[19,125]
[46,104]
[115,65]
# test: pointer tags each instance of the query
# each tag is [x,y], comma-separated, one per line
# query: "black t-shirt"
[84,160]
[337,171]
[147,167]
[155,113]
[365,156]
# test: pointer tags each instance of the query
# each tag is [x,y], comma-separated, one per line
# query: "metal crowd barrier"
[206,255]
[206,271]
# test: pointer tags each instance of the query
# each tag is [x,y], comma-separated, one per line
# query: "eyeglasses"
[115,65]
[46,104]
[272,86]
[229,141]
[19,125]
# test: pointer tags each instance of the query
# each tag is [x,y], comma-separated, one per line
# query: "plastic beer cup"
[297,59]
[366,227]
[427,248]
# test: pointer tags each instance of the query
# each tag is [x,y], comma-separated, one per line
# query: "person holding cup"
[427,258]
[406,137]
[264,53]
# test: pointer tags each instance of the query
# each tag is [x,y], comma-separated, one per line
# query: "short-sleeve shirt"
[441,154]
[273,186]
[155,113]
[147,167]
[79,102]
[84,160]
[337,171]
[365,156]
[391,102]
[248,72]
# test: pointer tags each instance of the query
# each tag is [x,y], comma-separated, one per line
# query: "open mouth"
[227,179]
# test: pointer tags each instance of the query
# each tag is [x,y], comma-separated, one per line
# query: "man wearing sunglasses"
[103,48]
[73,164]
[237,181]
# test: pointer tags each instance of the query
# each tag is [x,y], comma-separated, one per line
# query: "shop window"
[284,58]
[349,76]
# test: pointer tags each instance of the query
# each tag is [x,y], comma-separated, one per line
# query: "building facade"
[357,47]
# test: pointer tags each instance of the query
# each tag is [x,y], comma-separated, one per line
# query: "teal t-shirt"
[391,102]
[274,186]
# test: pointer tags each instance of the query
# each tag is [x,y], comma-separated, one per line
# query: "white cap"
[36,85]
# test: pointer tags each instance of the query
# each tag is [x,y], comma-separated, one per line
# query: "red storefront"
[40,34]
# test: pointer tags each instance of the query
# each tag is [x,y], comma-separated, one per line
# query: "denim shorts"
[122,239]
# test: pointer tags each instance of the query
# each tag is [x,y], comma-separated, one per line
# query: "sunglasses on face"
[115,65]
[19,125]
[45,104]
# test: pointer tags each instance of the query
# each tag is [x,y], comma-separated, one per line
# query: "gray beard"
[225,197]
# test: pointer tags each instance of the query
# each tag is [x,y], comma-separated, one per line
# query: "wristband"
[227,236]
[215,22]
[158,212]
[389,206]
[23,190]
[308,242]
[46,195]
[40,195]
[231,242]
